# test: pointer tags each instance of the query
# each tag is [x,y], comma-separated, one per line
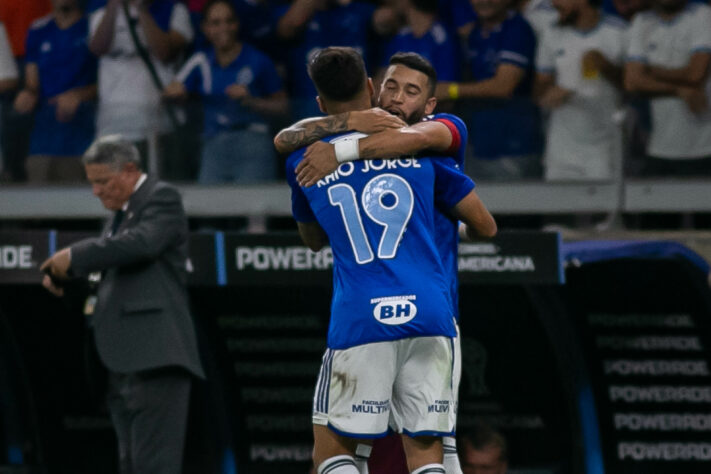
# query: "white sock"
[429,469]
[361,457]
[451,460]
[343,464]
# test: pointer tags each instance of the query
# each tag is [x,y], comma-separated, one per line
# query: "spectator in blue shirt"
[306,26]
[457,15]
[504,123]
[240,88]
[60,84]
[425,35]
[257,24]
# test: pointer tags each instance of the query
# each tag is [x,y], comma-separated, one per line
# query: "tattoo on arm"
[307,131]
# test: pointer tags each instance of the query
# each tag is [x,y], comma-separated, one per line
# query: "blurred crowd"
[550,89]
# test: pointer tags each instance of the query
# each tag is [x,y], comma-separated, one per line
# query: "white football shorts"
[407,385]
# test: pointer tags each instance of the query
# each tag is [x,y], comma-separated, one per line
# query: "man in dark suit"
[140,318]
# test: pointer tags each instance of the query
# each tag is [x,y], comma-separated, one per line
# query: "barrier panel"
[644,320]
[539,362]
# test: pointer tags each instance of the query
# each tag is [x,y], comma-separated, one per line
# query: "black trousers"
[149,411]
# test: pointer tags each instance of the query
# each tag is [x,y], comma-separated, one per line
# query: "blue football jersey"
[446,227]
[388,278]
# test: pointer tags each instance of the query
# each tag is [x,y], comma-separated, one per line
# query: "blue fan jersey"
[64,62]
[342,25]
[202,74]
[389,282]
[439,46]
[508,127]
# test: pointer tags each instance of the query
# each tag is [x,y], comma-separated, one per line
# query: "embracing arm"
[430,135]
[320,157]
[475,216]
[307,131]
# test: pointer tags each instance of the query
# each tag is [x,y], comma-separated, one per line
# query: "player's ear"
[430,105]
[371,89]
[321,105]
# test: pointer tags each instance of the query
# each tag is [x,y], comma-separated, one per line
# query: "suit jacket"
[141,319]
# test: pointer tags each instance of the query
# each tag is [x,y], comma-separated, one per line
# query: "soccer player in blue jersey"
[395,194]
[407,93]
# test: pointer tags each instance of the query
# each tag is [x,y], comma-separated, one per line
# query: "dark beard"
[414,117]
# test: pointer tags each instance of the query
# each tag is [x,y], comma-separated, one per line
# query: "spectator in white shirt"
[668,60]
[129,99]
[579,79]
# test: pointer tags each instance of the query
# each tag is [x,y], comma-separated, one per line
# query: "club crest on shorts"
[394,310]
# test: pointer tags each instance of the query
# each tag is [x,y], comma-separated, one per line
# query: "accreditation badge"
[90,303]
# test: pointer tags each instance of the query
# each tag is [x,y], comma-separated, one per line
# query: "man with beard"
[668,60]
[407,93]
[354,338]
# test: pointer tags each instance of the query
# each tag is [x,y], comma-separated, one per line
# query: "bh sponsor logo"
[394,310]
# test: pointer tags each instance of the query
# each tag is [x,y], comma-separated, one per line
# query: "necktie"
[118,217]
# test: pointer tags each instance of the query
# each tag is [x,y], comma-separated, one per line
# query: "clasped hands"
[56,270]
[320,157]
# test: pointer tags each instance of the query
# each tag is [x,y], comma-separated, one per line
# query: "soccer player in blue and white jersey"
[407,93]
[379,210]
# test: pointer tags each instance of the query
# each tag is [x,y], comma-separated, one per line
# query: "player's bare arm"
[307,131]
[478,221]
[312,235]
[320,157]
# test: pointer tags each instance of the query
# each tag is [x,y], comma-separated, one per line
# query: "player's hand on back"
[373,121]
[319,161]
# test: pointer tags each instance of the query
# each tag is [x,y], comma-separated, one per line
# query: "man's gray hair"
[112,150]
